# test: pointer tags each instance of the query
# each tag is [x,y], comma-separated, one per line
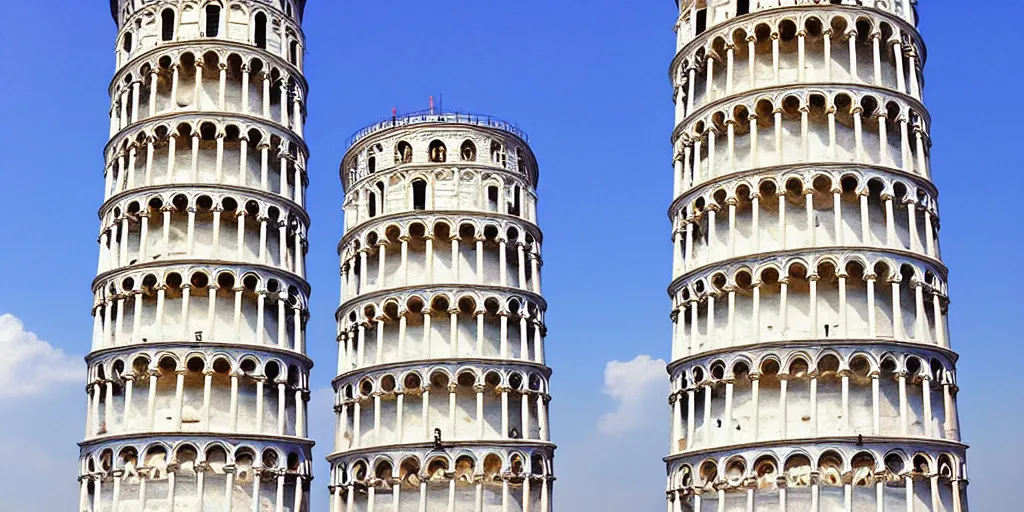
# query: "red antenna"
[431,104]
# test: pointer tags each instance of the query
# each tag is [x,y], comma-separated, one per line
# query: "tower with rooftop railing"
[198,377]
[441,396]
[811,365]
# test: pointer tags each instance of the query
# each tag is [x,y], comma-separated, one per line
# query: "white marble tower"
[198,378]
[811,368]
[442,391]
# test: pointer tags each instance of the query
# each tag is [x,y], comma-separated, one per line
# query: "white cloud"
[30,366]
[637,387]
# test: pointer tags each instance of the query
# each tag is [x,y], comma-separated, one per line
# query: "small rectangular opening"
[419,195]
[702,21]
[742,7]
[212,20]
[492,199]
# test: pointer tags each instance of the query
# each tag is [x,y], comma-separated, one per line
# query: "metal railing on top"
[427,116]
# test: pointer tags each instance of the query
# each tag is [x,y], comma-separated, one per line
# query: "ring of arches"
[490,226]
[158,455]
[860,181]
[785,24]
[862,363]
[419,188]
[187,62]
[525,379]
[276,285]
[465,464]
[791,101]
[434,146]
[285,366]
[233,56]
[863,464]
[283,142]
[277,367]
[248,202]
[743,275]
[390,306]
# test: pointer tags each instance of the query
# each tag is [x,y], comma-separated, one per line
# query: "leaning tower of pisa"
[811,368]
[198,377]
[442,391]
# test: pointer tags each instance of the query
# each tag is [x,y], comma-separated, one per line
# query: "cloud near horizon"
[637,387]
[30,366]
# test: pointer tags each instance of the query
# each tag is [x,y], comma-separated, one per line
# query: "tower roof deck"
[436,117]
[300,4]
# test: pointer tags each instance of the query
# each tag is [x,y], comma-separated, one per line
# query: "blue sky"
[589,83]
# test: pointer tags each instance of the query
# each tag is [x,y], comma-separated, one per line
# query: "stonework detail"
[442,395]
[811,363]
[198,377]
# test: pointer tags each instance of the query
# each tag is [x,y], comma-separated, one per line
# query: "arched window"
[438,152]
[293,53]
[288,8]
[167,25]
[371,164]
[419,195]
[126,45]
[380,190]
[260,33]
[212,20]
[403,153]
[468,151]
[497,153]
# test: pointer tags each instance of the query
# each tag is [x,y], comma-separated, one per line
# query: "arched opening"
[798,471]
[438,152]
[403,153]
[468,151]
[293,53]
[436,469]
[830,468]
[409,473]
[167,25]
[464,469]
[709,471]
[497,153]
[212,20]
[766,471]
[260,34]
[492,467]
[384,470]
[419,195]
[742,7]
[371,204]
[126,45]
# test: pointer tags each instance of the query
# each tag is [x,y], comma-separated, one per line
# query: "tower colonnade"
[441,399]
[198,380]
[811,362]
